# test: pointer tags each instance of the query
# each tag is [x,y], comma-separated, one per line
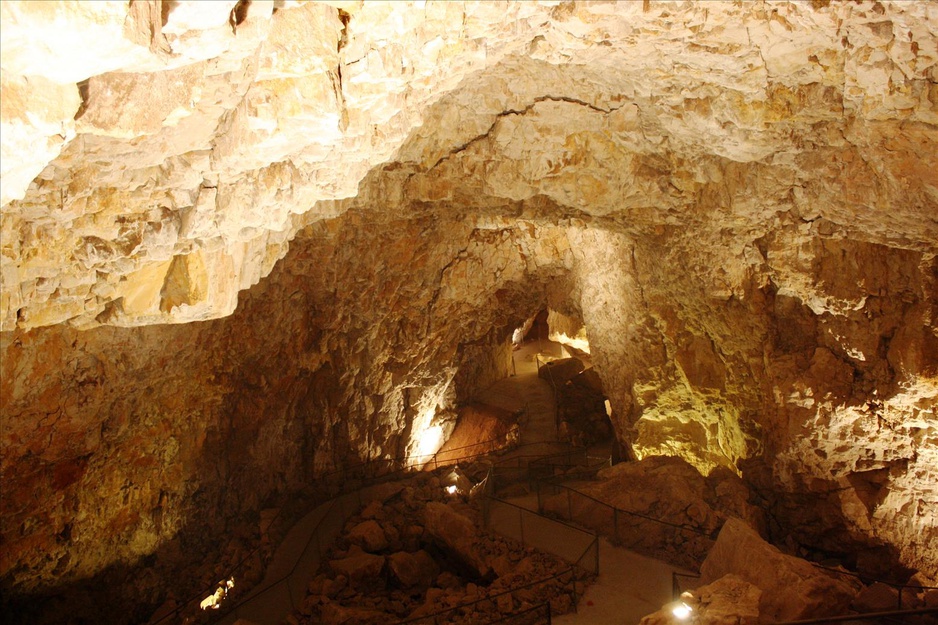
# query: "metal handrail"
[859,617]
[486,488]
[345,471]
[690,528]
[257,592]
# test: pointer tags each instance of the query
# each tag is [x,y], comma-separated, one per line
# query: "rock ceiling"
[185,148]
[739,199]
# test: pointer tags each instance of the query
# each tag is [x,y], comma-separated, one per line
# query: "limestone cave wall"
[245,243]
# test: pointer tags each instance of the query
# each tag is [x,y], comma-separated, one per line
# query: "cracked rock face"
[244,243]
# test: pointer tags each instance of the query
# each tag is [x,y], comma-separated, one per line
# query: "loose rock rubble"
[745,581]
[358,200]
[423,552]
[663,494]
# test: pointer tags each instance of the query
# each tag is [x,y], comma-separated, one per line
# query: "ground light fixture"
[681,610]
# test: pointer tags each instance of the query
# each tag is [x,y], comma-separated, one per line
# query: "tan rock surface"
[354,201]
[457,534]
[730,600]
[792,588]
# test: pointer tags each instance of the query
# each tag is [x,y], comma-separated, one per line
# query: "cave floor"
[526,392]
[629,585]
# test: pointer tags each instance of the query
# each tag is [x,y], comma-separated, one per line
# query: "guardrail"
[287,592]
[639,532]
[900,588]
[573,544]
[876,617]
[576,463]
[539,532]
[355,476]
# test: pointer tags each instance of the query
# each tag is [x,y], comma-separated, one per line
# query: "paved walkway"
[526,391]
[629,585]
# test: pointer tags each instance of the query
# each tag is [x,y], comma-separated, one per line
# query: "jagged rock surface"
[737,199]
[665,508]
[792,589]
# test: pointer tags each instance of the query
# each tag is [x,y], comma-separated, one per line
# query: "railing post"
[290,594]
[575,599]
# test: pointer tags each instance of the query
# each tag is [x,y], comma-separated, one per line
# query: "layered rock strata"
[353,204]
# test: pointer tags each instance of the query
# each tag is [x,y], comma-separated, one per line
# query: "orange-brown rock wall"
[119,439]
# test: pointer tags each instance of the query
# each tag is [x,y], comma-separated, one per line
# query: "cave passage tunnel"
[246,247]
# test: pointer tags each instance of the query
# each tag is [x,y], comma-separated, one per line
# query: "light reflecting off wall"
[429,441]
[432,422]
[214,600]
[579,341]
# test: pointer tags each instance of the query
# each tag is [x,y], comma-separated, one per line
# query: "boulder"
[369,536]
[878,597]
[413,569]
[792,588]
[359,567]
[335,614]
[729,600]
[373,510]
[559,371]
[457,534]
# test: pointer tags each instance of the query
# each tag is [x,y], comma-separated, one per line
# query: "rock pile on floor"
[666,508]
[422,552]
[582,409]
[746,581]
[792,588]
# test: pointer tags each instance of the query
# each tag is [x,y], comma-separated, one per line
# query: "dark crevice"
[345,18]
[83,94]
[238,14]
[166,7]
[523,111]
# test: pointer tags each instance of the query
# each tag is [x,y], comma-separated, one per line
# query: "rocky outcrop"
[431,563]
[792,588]
[730,600]
[665,508]
[356,203]
[581,408]
[457,535]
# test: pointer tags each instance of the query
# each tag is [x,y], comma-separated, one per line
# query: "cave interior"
[248,244]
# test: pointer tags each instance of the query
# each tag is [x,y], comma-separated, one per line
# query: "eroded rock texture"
[351,205]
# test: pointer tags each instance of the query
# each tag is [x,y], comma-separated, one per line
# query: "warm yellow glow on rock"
[429,441]
[579,342]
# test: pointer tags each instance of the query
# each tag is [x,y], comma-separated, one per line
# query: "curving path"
[629,585]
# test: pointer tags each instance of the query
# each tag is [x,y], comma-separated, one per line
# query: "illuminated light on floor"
[681,610]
